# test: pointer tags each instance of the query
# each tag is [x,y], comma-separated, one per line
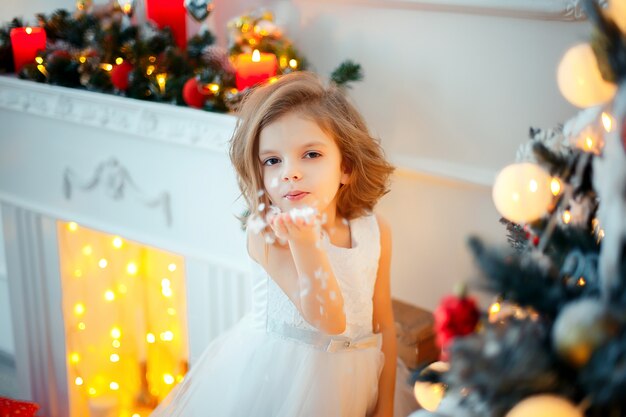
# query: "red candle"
[26,42]
[254,68]
[172,14]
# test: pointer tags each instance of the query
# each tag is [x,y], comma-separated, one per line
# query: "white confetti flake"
[319,298]
[261,207]
[322,310]
[345,221]
[305,213]
[255,224]
[260,193]
[270,239]
[333,295]
[274,183]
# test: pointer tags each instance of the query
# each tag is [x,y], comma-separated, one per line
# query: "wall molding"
[156,121]
[564,10]
[452,171]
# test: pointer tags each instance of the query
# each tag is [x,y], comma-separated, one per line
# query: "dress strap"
[325,342]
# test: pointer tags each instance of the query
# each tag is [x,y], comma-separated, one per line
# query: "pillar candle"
[172,14]
[254,68]
[26,42]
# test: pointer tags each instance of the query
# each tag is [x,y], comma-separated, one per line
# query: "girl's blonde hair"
[304,93]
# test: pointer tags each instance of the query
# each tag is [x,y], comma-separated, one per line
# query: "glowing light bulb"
[116,333]
[166,283]
[114,386]
[567,217]
[78,273]
[92,391]
[167,336]
[136,415]
[167,292]
[72,226]
[168,379]
[150,69]
[39,60]
[122,289]
[555,186]
[171,311]
[293,63]
[82,326]
[215,88]
[78,381]
[117,242]
[103,263]
[119,60]
[106,67]
[581,282]
[74,358]
[79,309]
[116,344]
[109,295]
[161,81]
[495,308]
[171,267]
[607,121]
[82,59]
[114,357]
[29,30]
[87,250]
[256,56]
[150,338]
[532,186]
[132,268]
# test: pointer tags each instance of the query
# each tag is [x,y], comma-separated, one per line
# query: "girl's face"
[300,164]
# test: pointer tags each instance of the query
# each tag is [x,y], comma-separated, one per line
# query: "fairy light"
[171,267]
[122,289]
[78,381]
[82,59]
[92,391]
[150,338]
[79,309]
[532,186]
[166,289]
[116,333]
[87,250]
[167,336]
[555,186]
[136,415]
[114,357]
[119,60]
[106,67]
[567,217]
[282,61]
[29,30]
[117,242]
[114,386]
[116,344]
[82,326]
[132,268]
[607,121]
[171,311]
[581,282]
[102,263]
[78,273]
[39,60]
[495,308]
[272,80]
[150,69]
[168,379]
[161,81]
[215,88]
[74,358]
[293,63]
[109,295]
[72,226]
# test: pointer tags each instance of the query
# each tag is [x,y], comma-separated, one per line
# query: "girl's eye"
[312,154]
[271,161]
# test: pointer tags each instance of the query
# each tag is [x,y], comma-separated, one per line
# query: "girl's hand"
[295,229]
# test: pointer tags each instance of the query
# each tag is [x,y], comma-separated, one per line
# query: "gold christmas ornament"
[617,12]
[580,80]
[427,394]
[545,406]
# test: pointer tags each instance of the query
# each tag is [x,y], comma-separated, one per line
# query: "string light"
[119,60]
[555,186]
[161,81]
[116,344]
[114,386]
[42,69]
[167,336]
[114,357]
[150,338]
[607,121]
[79,309]
[293,63]
[92,391]
[39,60]
[581,282]
[106,67]
[116,333]
[103,263]
[117,242]
[168,379]
[78,381]
[74,358]
[171,311]
[72,226]
[131,268]
[171,267]
[82,326]
[109,295]
[82,59]
[150,69]
[87,250]
[567,217]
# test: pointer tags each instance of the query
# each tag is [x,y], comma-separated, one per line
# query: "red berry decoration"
[536,240]
[456,315]
[119,75]
[192,94]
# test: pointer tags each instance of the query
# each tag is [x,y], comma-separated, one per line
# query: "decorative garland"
[98,48]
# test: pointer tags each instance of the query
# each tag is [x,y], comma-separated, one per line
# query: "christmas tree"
[553,342]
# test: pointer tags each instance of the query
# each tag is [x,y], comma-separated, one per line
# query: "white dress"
[274,364]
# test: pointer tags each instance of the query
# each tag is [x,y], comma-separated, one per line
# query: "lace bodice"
[355,269]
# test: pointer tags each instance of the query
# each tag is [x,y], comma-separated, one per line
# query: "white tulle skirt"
[249,372]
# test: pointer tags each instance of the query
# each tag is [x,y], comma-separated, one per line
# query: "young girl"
[320,340]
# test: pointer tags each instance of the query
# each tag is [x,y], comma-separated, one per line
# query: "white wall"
[6,330]
[461,89]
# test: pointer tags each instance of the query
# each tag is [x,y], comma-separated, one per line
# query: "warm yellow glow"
[601,234]
[166,291]
[293,63]
[79,309]
[555,186]
[165,282]
[106,67]
[171,267]
[150,68]
[150,338]
[215,88]
[515,196]
[532,186]
[103,263]
[92,391]
[116,344]
[131,268]
[122,289]
[42,70]
[114,357]
[171,311]
[82,326]
[82,59]
[39,60]
[127,8]
[567,217]
[168,379]
[74,358]
[581,282]
[283,61]
[495,308]
[272,80]
[117,242]
[256,56]
[607,121]
[109,295]
[161,81]
[78,381]
[116,333]
[29,30]
[245,27]
[114,386]
[136,415]
[87,250]
[588,143]
[252,41]
[152,59]
[78,273]
[167,336]
[119,60]
[72,227]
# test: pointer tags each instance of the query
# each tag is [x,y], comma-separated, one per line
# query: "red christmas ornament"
[536,240]
[456,315]
[9,407]
[119,75]
[192,94]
